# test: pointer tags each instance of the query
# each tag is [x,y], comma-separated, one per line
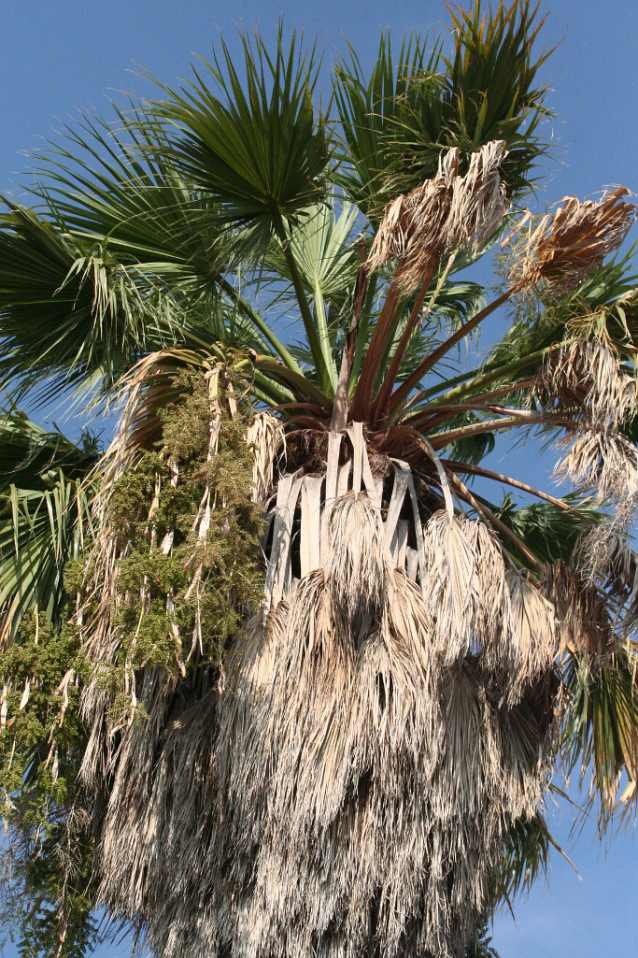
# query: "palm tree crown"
[278,679]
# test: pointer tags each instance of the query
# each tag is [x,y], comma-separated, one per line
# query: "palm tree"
[316,681]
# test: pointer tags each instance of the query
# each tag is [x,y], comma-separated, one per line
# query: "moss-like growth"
[182,594]
[182,589]
[49,854]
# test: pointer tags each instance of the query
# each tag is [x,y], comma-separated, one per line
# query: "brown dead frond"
[588,375]
[565,247]
[351,787]
[604,460]
[446,213]
[583,620]
[530,636]
[355,552]
[266,436]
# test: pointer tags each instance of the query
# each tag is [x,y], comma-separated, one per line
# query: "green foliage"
[551,532]
[259,148]
[44,514]
[49,892]
[174,585]
[397,123]
[480,946]
[67,308]
[601,722]
[160,237]
[369,111]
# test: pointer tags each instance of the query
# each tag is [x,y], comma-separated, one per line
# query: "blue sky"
[57,58]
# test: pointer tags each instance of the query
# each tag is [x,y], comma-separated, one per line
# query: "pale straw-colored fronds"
[603,460]
[581,613]
[603,551]
[565,247]
[605,560]
[464,584]
[355,553]
[266,436]
[530,634]
[446,213]
[350,789]
[587,374]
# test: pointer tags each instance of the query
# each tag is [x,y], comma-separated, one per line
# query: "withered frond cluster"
[566,246]
[394,689]
[446,213]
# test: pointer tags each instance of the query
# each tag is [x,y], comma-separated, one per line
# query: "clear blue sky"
[58,57]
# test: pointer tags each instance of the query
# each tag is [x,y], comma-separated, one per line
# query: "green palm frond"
[367,109]
[601,729]
[259,149]
[67,311]
[45,517]
[526,856]
[486,92]
[322,249]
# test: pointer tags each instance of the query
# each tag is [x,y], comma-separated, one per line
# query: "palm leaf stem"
[306,315]
[487,513]
[270,391]
[442,439]
[390,377]
[378,344]
[469,382]
[324,338]
[463,467]
[299,384]
[263,327]
[429,419]
[437,410]
[403,391]
[362,335]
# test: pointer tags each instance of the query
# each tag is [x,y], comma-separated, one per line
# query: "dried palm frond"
[465,584]
[450,577]
[606,561]
[446,213]
[566,246]
[582,616]
[393,775]
[266,436]
[588,374]
[527,644]
[354,553]
[603,554]
[479,200]
[605,460]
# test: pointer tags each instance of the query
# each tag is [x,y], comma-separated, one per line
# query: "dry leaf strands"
[604,558]
[586,374]
[602,459]
[482,510]
[393,777]
[528,640]
[266,437]
[447,212]
[565,247]
[582,615]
